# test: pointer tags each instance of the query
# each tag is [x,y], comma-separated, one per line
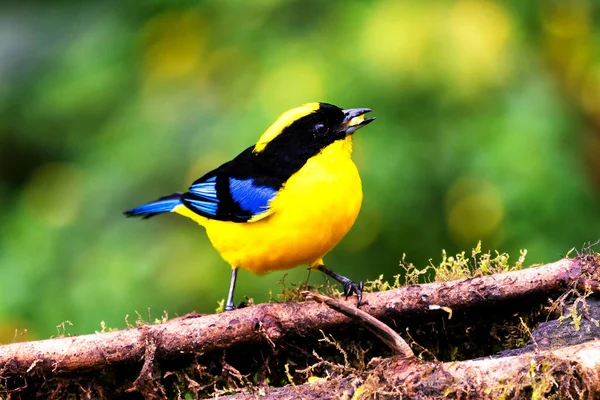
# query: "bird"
[284,202]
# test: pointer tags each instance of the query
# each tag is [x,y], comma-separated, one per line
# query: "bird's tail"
[162,205]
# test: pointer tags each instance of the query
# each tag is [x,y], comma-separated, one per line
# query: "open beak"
[354,118]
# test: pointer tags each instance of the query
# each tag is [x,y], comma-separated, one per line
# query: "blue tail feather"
[162,205]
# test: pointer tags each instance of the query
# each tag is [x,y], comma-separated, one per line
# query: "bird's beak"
[354,118]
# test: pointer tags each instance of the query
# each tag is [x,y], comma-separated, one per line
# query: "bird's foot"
[351,287]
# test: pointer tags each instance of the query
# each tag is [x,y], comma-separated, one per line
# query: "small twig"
[387,335]
[33,364]
[590,246]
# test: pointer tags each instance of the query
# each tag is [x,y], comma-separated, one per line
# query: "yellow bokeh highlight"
[290,85]
[460,45]
[474,210]
[567,19]
[397,36]
[570,49]
[53,194]
[174,45]
[590,91]
[478,32]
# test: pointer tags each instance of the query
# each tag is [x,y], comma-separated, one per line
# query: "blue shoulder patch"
[254,199]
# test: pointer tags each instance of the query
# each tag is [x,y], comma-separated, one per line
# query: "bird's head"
[308,129]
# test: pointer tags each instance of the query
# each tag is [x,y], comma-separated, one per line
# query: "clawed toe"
[351,287]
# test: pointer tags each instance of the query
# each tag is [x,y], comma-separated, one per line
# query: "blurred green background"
[488,127]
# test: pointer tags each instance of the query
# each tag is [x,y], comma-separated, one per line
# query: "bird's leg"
[349,286]
[229,305]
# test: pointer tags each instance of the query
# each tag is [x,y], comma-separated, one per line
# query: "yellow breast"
[313,211]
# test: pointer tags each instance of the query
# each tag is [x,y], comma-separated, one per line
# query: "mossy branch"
[146,347]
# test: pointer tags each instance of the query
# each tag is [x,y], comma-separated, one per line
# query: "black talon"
[349,286]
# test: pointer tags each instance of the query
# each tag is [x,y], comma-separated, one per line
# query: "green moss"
[62,328]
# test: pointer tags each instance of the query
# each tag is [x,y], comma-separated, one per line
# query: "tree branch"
[195,334]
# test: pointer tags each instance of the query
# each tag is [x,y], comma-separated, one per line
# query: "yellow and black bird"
[284,202]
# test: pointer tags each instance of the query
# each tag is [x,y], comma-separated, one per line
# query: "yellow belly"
[311,214]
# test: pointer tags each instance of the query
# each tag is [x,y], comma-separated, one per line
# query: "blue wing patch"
[207,200]
[254,199]
[206,189]
[246,202]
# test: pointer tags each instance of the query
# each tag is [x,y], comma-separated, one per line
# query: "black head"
[302,133]
[308,129]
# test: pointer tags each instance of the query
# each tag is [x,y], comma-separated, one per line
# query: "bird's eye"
[320,129]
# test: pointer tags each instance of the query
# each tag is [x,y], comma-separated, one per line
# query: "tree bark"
[272,323]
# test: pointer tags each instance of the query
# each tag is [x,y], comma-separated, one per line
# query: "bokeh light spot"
[174,45]
[590,91]
[459,45]
[396,36]
[478,32]
[474,210]
[290,85]
[567,19]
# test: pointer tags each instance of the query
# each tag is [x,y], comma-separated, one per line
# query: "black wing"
[238,191]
